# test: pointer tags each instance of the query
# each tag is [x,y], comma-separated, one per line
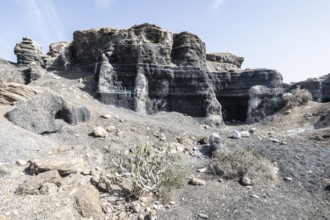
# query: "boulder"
[45,113]
[87,201]
[33,184]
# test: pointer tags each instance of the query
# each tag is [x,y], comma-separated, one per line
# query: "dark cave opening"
[234,109]
[65,115]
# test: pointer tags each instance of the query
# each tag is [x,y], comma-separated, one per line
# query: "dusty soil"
[289,139]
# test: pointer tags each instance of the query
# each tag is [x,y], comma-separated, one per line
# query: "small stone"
[283,143]
[111,128]
[86,172]
[203,216]
[144,199]
[172,203]
[252,130]
[152,215]
[246,181]
[215,142]
[274,140]
[100,132]
[203,140]
[21,163]
[245,134]
[148,128]
[95,179]
[167,206]
[202,170]
[289,179]
[98,168]
[249,187]
[119,133]
[235,134]
[220,180]
[204,127]
[180,148]
[162,137]
[197,182]
[136,207]
[255,196]
[141,217]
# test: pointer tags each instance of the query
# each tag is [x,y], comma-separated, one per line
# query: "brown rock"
[87,201]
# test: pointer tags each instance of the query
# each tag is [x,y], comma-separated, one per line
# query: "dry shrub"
[237,162]
[153,171]
[297,97]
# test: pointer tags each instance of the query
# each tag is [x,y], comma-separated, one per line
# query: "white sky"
[292,36]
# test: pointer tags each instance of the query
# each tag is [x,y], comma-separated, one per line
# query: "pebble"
[21,163]
[136,208]
[86,172]
[202,170]
[255,196]
[162,137]
[289,179]
[245,134]
[203,216]
[106,116]
[246,181]
[197,182]
[235,134]
[100,132]
[111,128]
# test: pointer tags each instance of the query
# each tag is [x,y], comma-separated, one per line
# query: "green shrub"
[237,162]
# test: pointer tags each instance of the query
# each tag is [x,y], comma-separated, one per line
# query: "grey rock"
[28,51]
[235,134]
[215,142]
[33,184]
[44,112]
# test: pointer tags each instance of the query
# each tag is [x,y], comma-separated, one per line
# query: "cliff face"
[148,69]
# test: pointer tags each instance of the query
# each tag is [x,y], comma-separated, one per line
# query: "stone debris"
[100,132]
[197,182]
[87,201]
[235,134]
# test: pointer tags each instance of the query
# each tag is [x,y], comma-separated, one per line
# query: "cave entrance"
[234,109]
[65,115]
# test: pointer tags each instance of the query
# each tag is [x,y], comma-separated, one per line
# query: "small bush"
[236,163]
[152,171]
[297,97]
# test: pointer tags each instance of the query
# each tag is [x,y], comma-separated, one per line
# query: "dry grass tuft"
[237,162]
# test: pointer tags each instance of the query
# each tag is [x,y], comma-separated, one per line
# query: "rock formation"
[318,87]
[45,113]
[148,69]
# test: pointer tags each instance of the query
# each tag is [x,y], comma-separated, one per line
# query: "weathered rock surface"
[219,62]
[45,112]
[28,51]
[13,92]
[318,87]
[87,200]
[232,90]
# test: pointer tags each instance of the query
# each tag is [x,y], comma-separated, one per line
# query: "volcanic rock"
[44,113]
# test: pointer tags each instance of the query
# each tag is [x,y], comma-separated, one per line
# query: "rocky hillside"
[142,123]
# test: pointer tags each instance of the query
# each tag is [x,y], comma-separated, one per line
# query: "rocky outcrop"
[147,69]
[58,56]
[318,87]
[28,51]
[13,92]
[46,112]
[232,89]
[223,62]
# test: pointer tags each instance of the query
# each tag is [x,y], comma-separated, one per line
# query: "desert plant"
[297,97]
[237,162]
[152,171]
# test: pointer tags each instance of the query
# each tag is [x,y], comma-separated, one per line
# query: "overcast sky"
[292,36]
